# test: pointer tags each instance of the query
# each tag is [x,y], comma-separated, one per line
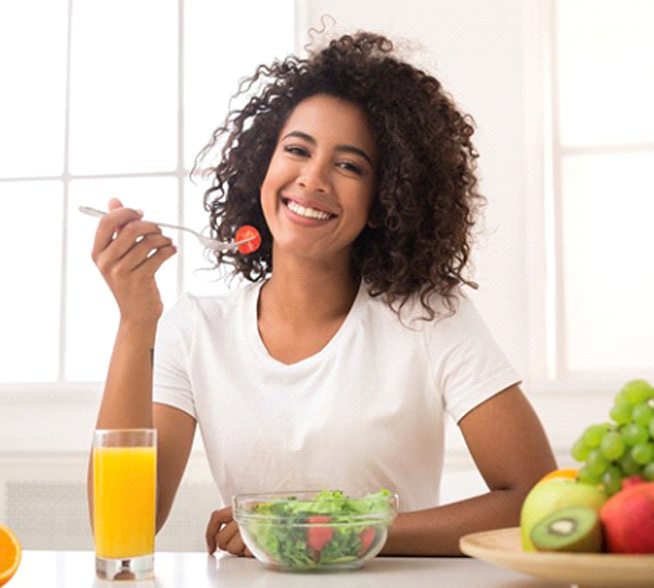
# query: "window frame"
[61,389]
[548,374]
[544,320]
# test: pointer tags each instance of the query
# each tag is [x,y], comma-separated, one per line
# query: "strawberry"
[318,537]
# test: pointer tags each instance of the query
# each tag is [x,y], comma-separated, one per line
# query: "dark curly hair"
[425,204]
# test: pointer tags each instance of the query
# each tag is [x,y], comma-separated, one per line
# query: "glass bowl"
[314,531]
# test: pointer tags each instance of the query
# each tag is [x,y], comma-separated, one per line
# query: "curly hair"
[419,237]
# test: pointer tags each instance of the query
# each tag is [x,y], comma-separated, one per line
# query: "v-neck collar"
[251,329]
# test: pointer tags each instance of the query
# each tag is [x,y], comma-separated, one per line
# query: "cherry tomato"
[248,232]
[318,537]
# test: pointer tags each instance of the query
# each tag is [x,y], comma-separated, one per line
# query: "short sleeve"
[173,345]
[472,366]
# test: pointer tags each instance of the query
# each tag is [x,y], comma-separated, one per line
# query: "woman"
[336,366]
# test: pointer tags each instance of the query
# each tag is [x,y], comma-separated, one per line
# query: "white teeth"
[307,212]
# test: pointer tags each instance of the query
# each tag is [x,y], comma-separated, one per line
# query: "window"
[115,99]
[603,205]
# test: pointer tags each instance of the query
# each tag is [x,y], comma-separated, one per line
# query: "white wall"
[477,50]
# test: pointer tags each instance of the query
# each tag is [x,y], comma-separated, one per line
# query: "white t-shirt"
[365,412]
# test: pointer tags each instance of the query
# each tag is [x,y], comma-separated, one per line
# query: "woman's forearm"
[127,399]
[436,531]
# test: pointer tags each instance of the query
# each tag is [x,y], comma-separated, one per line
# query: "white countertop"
[76,569]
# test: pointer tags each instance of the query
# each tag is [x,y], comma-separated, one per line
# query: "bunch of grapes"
[625,447]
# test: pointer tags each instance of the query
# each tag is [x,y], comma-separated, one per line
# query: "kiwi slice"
[575,528]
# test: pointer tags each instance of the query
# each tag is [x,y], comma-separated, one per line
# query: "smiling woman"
[320,177]
[423,177]
[337,366]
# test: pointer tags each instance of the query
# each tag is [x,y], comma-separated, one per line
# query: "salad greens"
[290,531]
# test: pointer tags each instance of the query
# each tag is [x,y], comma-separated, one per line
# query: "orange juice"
[124,501]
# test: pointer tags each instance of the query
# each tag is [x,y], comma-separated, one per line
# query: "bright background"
[116,99]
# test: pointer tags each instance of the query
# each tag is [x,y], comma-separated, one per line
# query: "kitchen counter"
[75,569]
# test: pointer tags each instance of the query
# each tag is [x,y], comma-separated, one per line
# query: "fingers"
[235,544]
[128,251]
[154,261]
[109,224]
[218,519]
[222,532]
[228,536]
[133,248]
[140,252]
[114,203]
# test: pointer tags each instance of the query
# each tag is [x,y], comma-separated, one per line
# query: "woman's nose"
[313,178]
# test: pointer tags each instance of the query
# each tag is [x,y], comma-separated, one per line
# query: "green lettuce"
[282,528]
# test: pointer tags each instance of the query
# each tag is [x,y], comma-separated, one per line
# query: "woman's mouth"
[305,211]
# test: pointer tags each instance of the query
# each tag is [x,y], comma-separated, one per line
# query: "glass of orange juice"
[124,502]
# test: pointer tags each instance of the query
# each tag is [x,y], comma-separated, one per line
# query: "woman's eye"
[296,150]
[350,167]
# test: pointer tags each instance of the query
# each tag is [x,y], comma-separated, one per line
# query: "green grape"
[634,434]
[596,463]
[592,436]
[579,451]
[586,477]
[651,428]
[612,479]
[637,391]
[621,399]
[643,453]
[612,445]
[621,413]
[648,472]
[627,464]
[642,414]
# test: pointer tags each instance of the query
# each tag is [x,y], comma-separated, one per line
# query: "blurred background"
[115,98]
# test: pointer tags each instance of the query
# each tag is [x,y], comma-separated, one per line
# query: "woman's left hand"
[222,533]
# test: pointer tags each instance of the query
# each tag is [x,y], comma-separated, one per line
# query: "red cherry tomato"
[318,537]
[248,232]
[366,536]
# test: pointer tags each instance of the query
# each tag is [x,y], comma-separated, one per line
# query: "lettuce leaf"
[284,537]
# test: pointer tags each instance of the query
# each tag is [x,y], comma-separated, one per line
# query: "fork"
[209,243]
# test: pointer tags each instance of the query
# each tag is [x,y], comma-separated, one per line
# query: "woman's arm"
[511,451]
[128,252]
[175,432]
[127,403]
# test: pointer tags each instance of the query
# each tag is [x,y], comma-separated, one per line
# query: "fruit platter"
[591,526]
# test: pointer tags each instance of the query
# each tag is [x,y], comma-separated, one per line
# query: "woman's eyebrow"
[344,148]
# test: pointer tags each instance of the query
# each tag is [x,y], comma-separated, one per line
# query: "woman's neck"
[306,292]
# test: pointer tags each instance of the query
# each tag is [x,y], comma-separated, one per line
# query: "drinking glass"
[124,502]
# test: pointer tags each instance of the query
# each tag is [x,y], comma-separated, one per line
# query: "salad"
[328,529]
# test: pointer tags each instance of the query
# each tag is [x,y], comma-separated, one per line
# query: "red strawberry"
[318,537]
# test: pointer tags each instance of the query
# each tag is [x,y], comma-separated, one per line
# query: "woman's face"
[318,190]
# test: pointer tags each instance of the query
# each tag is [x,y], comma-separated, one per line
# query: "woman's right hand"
[128,252]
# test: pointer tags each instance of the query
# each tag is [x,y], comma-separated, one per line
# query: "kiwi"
[575,528]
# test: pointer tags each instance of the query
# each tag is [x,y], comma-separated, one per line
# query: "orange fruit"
[10,552]
[566,473]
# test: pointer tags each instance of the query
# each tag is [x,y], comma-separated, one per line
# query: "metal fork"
[212,244]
